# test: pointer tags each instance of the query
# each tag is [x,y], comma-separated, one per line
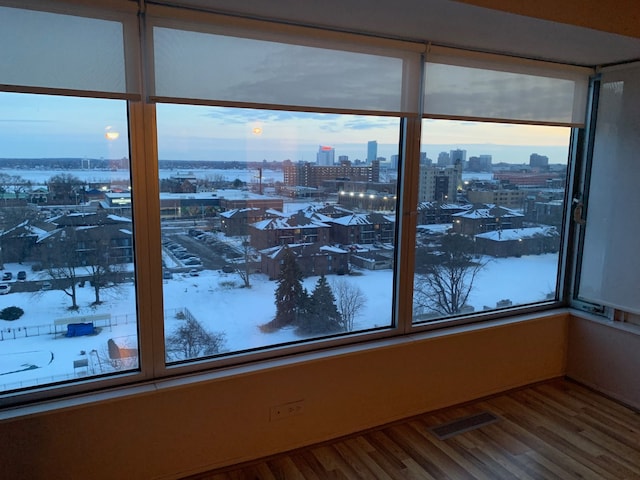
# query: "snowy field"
[220,307]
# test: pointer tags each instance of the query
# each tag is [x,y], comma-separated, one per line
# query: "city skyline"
[43,126]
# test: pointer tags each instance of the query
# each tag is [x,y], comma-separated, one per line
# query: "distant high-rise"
[372,151]
[481,163]
[394,162]
[342,159]
[485,162]
[538,161]
[444,159]
[457,157]
[424,160]
[325,155]
[305,174]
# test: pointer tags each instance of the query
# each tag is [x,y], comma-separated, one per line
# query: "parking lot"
[213,254]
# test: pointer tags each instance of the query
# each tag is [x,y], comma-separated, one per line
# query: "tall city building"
[538,161]
[325,156]
[439,184]
[424,160]
[457,157]
[304,174]
[485,162]
[372,151]
[394,162]
[480,163]
[444,159]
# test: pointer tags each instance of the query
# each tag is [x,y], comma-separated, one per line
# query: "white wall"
[605,356]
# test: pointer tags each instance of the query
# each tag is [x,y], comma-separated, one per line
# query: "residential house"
[363,228]
[297,228]
[486,218]
[312,258]
[518,241]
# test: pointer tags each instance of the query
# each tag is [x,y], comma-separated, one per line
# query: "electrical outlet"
[285,410]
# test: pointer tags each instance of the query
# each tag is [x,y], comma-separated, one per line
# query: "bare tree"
[245,271]
[444,279]
[350,301]
[19,185]
[191,340]
[98,256]
[60,260]
[64,187]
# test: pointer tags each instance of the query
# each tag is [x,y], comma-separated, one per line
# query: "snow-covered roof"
[297,220]
[300,248]
[118,218]
[26,229]
[435,228]
[443,206]
[331,248]
[512,234]
[238,211]
[489,211]
[276,213]
[353,219]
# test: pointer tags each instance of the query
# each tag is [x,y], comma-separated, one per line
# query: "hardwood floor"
[556,430]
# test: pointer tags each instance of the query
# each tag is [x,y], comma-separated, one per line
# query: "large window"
[287,194]
[491,203]
[277,227]
[68,307]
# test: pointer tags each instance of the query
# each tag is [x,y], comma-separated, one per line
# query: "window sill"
[191,379]
[615,324]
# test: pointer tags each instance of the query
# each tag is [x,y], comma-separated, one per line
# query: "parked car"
[167,275]
[22,275]
[4,288]
[194,272]
[7,276]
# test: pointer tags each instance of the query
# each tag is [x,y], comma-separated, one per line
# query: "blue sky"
[38,126]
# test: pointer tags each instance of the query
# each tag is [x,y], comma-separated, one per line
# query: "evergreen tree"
[321,313]
[290,295]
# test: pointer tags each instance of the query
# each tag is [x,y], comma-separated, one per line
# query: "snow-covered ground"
[216,301]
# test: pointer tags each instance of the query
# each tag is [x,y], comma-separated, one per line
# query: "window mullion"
[410,176]
[146,205]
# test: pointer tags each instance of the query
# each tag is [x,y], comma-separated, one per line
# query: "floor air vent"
[449,429]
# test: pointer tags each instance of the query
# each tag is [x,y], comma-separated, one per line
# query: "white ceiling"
[443,22]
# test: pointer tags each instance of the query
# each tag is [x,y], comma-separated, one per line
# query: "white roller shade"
[42,49]
[232,61]
[610,272]
[469,85]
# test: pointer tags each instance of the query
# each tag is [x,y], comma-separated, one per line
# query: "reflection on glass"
[489,217]
[67,294]
[276,227]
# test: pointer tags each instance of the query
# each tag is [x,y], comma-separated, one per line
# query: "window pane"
[67,309]
[269,238]
[490,214]
[609,274]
